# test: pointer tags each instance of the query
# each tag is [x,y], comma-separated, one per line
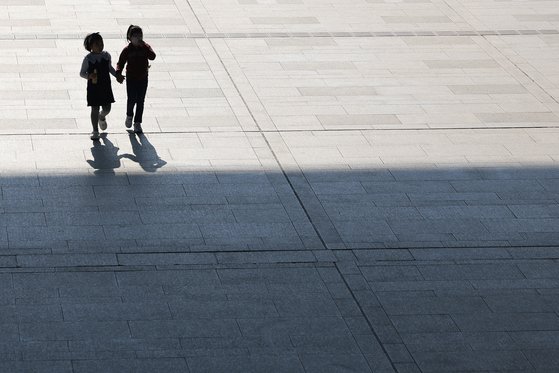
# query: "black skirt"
[100,94]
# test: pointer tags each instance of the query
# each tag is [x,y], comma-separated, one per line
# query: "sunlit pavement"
[322,186]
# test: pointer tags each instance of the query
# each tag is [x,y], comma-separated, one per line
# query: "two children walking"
[97,68]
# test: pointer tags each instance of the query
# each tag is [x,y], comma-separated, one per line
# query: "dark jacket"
[137,60]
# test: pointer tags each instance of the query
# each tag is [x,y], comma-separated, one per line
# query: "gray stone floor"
[322,186]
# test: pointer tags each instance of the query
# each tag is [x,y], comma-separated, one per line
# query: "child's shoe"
[138,128]
[128,122]
[95,135]
[102,123]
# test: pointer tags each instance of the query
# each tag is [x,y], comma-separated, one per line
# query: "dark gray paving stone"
[408,187]
[66,260]
[23,281]
[470,271]
[416,305]
[38,331]
[285,275]
[507,321]
[321,343]
[460,253]
[139,190]
[293,326]
[471,361]
[268,363]
[548,269]
[216,214]
[534,252]
[176,277]
[391,273]
[122,344]
[540,225]
[536,339]
[31,313]
[305,305]
[186,309]
[9,332]
[191,327]
[87,291]
[173,178]
[267,257]
[334,363]
[420,285]
[93,218]
[407,368]
[489,186]
[131,365]
[22,219]
[543,360]
[398,353]
[42,233]
[365,256]
[517,303]
[153,231]
[424,323]
[166,258]
[209,345]
[116,311]
[455,226]
[516,284]
[36,366]
[465,212]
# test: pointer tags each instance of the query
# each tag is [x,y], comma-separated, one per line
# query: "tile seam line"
[492,128]
[196,17]
[522,71]
[317,261]
[299,200]
[376,336]
[260,35]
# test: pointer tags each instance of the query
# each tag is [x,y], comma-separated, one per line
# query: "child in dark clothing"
[136,54]
[96,67]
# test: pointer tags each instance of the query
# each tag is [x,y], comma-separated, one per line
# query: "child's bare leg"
[95,118]
[106,110]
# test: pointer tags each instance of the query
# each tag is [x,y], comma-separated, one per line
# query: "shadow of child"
[144,153]
[105,156]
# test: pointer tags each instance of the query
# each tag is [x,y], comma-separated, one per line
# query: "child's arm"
[151,53]
[121,61]
[111,68]
[83,72]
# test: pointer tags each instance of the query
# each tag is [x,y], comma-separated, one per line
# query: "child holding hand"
[96,67]
[135,55]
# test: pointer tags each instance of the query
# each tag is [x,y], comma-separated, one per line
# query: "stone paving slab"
[322,186]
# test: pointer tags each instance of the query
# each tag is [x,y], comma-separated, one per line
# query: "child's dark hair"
[92,39]
[133,29]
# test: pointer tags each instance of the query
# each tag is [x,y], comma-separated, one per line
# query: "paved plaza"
[322,186]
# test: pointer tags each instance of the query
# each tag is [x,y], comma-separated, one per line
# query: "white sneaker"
[95,135]
[128,122]
[138,128]
[102,123]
